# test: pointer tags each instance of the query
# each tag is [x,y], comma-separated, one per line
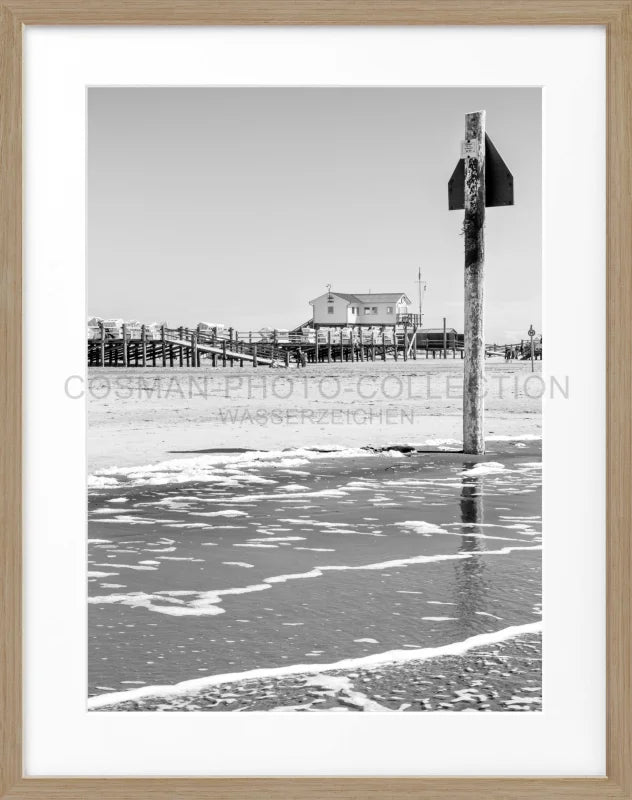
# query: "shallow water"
[209,566]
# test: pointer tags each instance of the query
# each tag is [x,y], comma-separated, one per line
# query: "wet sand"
[503,677]
[226,564]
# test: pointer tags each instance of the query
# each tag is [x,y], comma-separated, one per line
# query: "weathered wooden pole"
[445,339]
[181,348]
[102,344]
[329,345]
[405,341]
[254,355]
[124,345]
[383,343]
[143,334]
[395,340]
[164,346]
[194,351]
[474,230]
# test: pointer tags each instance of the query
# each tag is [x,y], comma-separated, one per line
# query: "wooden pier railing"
[151,346]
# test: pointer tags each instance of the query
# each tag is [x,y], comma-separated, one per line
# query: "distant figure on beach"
[301,357]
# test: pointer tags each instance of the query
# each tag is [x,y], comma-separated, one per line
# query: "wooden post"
[164,346]
[194,351]
[316,344]
[181,348]
[474,228]
[405,341]
[254,355]
[395,340]
[361,343]
[143,336]
[329,345]
[124,345]
[383,343]
[415,343]
[223,352]
[287,358]
[102,344]
[445,339]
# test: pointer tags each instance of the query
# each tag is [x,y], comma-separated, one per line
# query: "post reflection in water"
[471,583]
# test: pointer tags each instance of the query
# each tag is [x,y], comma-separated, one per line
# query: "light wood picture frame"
[616,17]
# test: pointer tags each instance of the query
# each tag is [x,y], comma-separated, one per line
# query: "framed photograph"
[317,349]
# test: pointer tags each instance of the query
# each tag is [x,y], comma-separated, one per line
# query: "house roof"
[378,297]
[382,297]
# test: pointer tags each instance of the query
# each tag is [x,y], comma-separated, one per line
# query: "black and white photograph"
[314,399]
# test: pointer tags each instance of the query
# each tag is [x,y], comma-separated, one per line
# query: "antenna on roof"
[422,285]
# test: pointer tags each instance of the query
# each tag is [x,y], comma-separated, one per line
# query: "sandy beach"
[141,416]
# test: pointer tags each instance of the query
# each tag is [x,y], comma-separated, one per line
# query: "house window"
[389,309]
[367,310]
[374,310]
[330,309]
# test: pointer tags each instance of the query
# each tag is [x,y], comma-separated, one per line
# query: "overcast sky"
[240,205]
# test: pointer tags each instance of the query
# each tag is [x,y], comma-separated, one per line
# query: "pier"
[148,346]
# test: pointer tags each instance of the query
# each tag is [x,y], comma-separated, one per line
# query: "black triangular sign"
[498,181]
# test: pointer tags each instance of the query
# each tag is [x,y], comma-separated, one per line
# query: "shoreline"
[377,660]
[499,674]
